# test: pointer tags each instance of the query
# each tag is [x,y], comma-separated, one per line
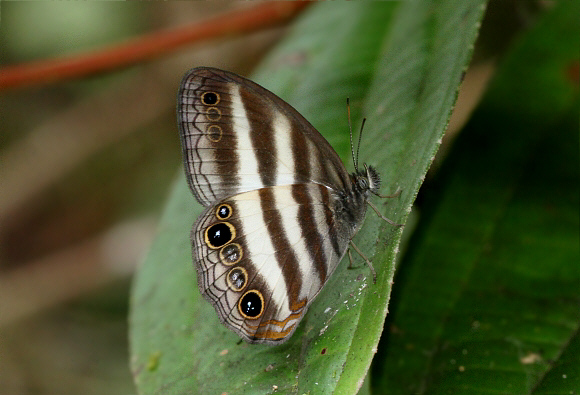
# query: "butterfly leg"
[381,216]
[350,262]
[394,195]
[367,260]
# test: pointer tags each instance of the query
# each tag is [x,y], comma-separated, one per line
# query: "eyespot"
[213,114]
[251,305]
[237,278]
[231,254]
[219,234]
[224,211]
[214,133]
[210,98]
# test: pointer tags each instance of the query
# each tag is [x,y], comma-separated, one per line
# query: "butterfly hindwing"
[262,256]
[237,137]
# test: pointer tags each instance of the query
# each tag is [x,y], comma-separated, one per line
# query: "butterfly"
[281,209]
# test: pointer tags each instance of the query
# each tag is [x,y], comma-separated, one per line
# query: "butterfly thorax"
[351,204]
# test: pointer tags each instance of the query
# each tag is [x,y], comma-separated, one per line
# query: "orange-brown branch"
[149,46]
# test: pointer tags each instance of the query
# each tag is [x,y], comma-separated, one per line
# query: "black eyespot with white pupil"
[223,211]
[210,98]
[251,305]
[219,234]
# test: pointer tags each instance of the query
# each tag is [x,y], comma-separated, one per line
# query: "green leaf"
[401,65]
[487,299]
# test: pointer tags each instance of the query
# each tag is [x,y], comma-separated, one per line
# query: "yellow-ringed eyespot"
[210,98]
[237,278]
[219,234]
[214,133]
[213,114]
[224,211]
[251,305]
[231,254]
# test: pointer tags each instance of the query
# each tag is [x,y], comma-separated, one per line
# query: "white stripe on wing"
[248,164]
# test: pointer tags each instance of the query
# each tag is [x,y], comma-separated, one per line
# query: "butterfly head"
[367,180]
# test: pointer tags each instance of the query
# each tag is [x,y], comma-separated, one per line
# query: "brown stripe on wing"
[330,221]
[300,151]
[285,256]
[307,160]
[310,163]
[313,239]
[261,135]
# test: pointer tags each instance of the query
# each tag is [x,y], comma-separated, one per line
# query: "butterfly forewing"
[237,137]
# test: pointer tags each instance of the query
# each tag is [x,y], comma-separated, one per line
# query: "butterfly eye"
[363,183]
[219,234]
[251,305]
[237,278]
[210,98]
[231,254]
[224,211]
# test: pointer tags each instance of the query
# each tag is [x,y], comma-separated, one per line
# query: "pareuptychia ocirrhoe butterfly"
[281,209]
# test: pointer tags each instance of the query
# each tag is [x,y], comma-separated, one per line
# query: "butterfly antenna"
[359,140]
[354,159]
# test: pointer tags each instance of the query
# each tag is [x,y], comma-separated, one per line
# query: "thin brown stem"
[149,46]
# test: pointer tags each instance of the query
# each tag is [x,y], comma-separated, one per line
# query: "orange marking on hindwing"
[295,308]
[274,335]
